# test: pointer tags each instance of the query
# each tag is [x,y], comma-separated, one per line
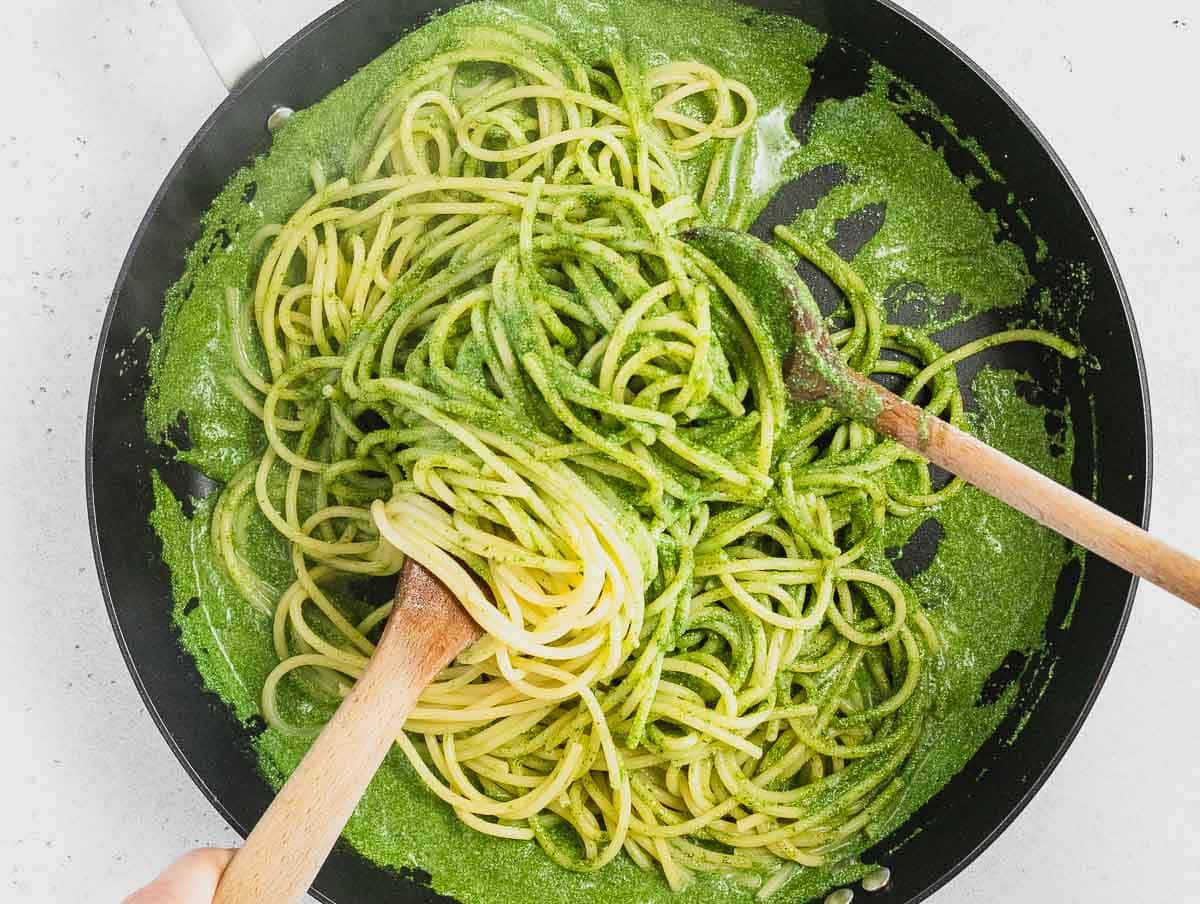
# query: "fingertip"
[192,879]
[215,857]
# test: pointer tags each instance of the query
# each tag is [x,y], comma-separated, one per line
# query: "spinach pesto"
[449,316]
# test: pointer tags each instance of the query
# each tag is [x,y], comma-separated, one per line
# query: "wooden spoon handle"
[282,855]
[1042,499]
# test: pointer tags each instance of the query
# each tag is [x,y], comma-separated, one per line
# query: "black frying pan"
[946,834]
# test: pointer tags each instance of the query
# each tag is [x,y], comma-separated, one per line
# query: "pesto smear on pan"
[987,591]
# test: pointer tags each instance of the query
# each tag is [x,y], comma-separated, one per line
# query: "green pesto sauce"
[934,234]
[989,590]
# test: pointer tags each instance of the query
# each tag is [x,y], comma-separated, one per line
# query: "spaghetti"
[485,348]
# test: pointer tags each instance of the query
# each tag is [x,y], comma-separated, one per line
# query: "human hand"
[192,879]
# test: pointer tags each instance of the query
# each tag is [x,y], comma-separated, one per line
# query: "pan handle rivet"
[278,117]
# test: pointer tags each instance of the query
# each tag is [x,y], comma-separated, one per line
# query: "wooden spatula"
[282,855]
[815,371]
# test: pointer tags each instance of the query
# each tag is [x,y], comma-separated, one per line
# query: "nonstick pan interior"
[1108,406]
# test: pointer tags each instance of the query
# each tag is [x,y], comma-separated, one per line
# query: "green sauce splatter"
[989,589]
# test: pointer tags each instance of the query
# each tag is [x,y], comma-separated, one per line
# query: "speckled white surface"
[98,100]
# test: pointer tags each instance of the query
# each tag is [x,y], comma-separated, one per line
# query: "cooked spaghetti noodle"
[485,347]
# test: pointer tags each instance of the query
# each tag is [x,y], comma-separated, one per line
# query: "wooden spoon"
[815,371]
[281,857]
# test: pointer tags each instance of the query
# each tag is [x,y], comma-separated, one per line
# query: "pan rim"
[231,100]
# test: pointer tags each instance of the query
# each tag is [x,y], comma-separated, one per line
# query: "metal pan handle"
[224,37]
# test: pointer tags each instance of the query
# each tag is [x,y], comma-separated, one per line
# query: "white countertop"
[95,803]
